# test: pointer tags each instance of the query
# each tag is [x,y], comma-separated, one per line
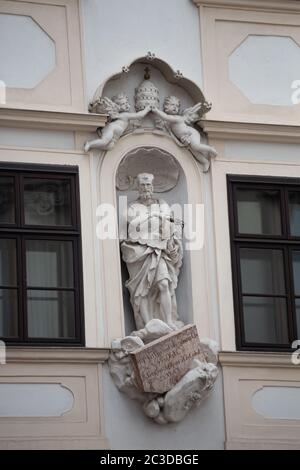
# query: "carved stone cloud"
[167,372]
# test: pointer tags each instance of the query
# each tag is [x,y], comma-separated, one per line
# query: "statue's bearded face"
[145,190]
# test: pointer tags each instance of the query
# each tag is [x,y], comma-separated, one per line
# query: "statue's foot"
[213,153]
[86,147]
[179,324]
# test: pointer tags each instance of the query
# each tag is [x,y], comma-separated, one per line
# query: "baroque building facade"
[200,97]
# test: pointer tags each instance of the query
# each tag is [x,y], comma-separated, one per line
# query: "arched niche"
[170,185]
[195,262]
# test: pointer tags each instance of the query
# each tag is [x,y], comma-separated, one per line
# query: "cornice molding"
[60,355]
[226,130]
[257,359]
[51,120]
[273,5]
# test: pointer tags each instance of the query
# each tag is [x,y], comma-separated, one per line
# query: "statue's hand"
[174,257]
[173,252]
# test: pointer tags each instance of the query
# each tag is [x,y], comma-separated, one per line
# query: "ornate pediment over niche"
[148,96]
[168,81]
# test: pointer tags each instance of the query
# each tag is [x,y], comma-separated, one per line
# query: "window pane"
[262,271]
[265,320]
[8,262]
[8,313]
[50,314]
[47,202]
[258,211]
[7,200]
[294,209]
[296,271]
[49,263]
[298,317]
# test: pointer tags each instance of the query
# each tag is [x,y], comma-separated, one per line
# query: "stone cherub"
[181,128]
[117,109]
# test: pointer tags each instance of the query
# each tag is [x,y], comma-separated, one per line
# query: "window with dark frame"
[264,219]
[41,295]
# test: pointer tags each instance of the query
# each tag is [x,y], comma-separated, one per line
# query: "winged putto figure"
[181,128]
[118,110]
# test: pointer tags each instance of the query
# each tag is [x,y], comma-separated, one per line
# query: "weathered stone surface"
[130,343]
[188,392]
[153,330]
[159,365]
[191,390]
[209,348]
[151,409]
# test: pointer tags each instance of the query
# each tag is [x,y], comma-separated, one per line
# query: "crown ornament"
[146,94]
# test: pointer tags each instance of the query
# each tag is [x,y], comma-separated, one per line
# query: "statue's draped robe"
[145,252]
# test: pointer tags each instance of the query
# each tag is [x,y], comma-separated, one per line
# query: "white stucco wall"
[36,138]
[264,68]
[34,400]
[28,55]
[261,151]
[277,402]
[126,426]
[117,32]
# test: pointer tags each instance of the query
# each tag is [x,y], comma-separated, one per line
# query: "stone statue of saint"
[153,255]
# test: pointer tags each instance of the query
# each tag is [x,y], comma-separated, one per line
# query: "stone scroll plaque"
[162,363]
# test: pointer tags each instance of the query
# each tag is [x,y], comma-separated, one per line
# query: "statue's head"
[145,185]
[122,102]
[172,105]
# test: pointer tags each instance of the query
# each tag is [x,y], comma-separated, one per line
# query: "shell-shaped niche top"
[160,81]
[153,160]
